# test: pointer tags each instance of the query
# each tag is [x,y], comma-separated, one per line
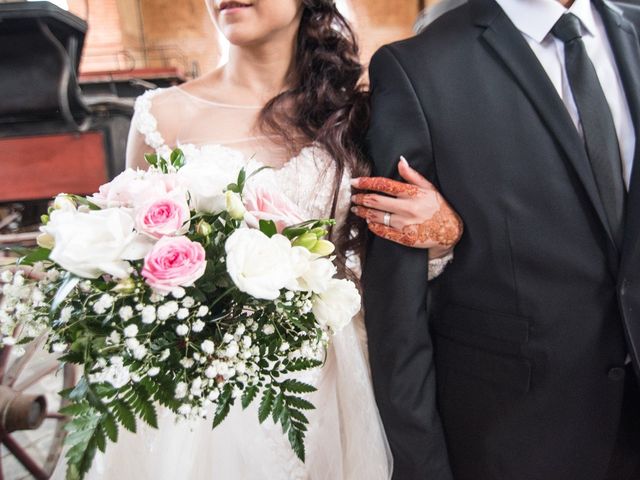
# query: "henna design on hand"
[444,228]
[388,186]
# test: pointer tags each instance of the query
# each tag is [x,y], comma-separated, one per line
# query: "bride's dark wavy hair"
[326,104]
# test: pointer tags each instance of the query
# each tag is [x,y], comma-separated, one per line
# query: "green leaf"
[80,390]
[73,409]
[296,386]
[298,416]
[221,413]
[296,439]
[268,227]
[122,412]
[299,403]
[177,158]
[242,178]
[277,407]
[101,440]
[83,439]
[249,395]
[152,159]
[84,201]
[285,419]
[39,254]
[293,232]
[265,405]
[301,365]
[138,398]
[110,427]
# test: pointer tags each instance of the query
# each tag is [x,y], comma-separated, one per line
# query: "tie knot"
[567,28]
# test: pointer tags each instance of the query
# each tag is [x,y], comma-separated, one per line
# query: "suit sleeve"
[395,289]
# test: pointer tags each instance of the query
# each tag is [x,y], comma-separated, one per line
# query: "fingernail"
[354,182]
[353,209]
[353,198]
[403,160]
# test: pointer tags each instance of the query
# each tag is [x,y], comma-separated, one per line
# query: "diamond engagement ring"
[386,220]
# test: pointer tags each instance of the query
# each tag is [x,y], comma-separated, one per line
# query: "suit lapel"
[624,43]
[510,46]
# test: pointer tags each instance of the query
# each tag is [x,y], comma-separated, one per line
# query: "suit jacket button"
[617,374]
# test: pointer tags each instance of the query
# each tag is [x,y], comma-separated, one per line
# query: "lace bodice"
[168,118]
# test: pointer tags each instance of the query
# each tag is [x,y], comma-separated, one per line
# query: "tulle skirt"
[345,440]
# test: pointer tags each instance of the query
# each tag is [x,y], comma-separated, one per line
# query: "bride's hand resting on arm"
[416,214]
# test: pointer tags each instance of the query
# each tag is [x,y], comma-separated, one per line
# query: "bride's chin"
[241,36]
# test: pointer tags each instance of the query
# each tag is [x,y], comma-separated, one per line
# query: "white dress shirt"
[535,19]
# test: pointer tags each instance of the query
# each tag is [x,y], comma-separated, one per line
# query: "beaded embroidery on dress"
[346,440]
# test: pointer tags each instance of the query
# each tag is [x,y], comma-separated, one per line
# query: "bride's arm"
[136,148]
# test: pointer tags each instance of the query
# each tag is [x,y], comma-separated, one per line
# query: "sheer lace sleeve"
[144,133]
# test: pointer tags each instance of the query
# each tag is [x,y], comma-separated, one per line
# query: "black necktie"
[597,123]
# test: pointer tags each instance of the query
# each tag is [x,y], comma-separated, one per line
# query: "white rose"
[337,305]
[259,265]
[97,242]
[206,179]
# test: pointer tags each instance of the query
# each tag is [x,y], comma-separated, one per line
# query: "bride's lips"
[233,6]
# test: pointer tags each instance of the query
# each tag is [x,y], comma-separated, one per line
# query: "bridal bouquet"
[187,286]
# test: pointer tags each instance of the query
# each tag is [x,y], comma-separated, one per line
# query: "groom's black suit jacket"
[527,331]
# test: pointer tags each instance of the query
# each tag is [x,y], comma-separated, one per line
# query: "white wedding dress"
[346,440]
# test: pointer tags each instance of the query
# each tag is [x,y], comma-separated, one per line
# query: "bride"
[289,98]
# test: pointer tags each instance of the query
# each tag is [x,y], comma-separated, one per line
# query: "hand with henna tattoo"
[420,216]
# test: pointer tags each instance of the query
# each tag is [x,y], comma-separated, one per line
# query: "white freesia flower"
[206,179]
[94,243]
[337,305]
[313,274]
[234,205]
[64,202]
[259,265]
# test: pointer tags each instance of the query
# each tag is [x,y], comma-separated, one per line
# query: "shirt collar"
[536,18]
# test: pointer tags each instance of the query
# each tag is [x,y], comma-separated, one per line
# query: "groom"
[521,361]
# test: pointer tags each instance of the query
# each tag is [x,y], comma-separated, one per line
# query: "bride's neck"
[261,70]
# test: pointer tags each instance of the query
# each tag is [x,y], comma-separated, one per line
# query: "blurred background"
[70,71]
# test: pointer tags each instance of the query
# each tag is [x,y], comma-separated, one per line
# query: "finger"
[413,176]
[374,216]
[398,206]
[387,185]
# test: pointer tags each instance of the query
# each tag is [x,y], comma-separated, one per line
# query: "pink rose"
[268,204]
[133,187]
[174,262]
[164,216]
